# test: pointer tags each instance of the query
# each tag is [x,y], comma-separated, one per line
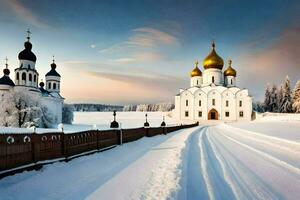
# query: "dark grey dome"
[27,54]
[5,80]
[53,71]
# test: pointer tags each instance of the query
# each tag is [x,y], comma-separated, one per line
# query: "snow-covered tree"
[279,97]
[296,98]
[258,107]
[24,110]
[267,99]
[286,103]
[68,114]
[273,99]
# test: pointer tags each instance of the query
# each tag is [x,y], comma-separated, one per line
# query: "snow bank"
[278,117]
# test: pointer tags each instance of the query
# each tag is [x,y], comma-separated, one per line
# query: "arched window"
[213,102]
[199,102]
[49,85]
[24,76]
[30,77]
[227,103]
[213,79]
[34,78]
[186,102]
[17,75]
[231,81]
[28,66]
[197,82]
[54,86]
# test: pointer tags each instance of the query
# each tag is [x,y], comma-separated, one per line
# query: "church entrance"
[213,114]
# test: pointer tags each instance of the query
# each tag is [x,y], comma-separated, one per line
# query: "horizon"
[145,52]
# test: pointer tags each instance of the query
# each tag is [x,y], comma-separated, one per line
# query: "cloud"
[143,39]
[24,13]
[93,46]
[273,63]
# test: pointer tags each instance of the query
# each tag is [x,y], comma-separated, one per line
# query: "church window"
[186,113]
[199,102]
[49,85]
[28,66]
[24,76]
[213,102]
[241,114]
[227,103]
[186,102]
[58,86]
[241,103]
[197,82]
[213,79]
[34,78]
[200,114]
[231,81]
[54,86]
[30,77]
[17,76]
[227,114]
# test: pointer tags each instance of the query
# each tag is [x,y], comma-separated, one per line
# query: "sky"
[142,51]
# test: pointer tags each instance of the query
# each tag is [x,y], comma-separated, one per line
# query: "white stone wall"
[216,73]
[221,95]
[196,81]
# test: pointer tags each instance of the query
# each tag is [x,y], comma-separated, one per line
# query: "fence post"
[33,149]
[63,144]
[121,134]
[97,132]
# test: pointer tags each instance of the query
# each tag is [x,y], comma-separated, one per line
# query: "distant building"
[26,79]
[213,94]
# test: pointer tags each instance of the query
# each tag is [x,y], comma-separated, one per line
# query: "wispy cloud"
[24,13]
[145,44]
[93,46]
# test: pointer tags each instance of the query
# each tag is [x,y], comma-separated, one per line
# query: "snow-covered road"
[208,162]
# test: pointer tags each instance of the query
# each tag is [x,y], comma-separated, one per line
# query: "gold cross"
[196,63]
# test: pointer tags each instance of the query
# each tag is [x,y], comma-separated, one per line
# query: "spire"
[229,62]
[53,59]
[6,70]
[213,45]
[28,34]
[196,63]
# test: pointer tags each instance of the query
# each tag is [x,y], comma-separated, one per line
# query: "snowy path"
[209,162]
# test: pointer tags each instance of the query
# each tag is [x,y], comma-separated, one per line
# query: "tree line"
[280,99]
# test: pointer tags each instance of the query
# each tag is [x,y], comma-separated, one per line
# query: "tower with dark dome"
[5,82]
[53,79]
[26,74]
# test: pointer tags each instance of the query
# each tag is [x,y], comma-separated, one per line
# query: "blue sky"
[142,51]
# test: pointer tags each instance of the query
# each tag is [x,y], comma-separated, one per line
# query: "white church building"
[27,79]
[213,94]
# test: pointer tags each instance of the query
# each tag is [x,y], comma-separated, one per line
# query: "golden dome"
[196,71]
[213,60]
[230,71]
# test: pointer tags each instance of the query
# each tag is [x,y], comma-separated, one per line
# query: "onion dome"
[53,71]
[196,71]
[230,71]
[5,80]
[27,54]
[213,60]
[42,84]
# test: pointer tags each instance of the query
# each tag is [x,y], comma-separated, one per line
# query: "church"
[27,79]
[213,94]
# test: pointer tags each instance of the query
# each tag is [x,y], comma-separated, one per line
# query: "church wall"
[196,81]
[186,105]
[214,94]
[216,73]
[228,105]
[246,106]
[200,95]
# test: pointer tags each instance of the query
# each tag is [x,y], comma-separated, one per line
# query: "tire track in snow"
[217,185]
[196,187]
[224,170]
[279,162]
[248,184]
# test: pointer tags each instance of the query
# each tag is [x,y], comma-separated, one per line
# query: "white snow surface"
[87,120]
[223,161]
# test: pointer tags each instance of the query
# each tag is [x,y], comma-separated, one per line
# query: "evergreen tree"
[273,99]
[296,98]
[267,99]
[279,97]
[286,103]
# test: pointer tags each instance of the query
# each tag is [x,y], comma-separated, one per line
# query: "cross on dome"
[6,62]
[28,34]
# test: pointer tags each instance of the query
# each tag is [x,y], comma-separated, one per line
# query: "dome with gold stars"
[213,60]
[196,71]
[230,71]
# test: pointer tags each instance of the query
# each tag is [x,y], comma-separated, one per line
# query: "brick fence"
[21,150]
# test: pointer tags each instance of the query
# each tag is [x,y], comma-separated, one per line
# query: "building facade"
[27,79]
[213,94]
